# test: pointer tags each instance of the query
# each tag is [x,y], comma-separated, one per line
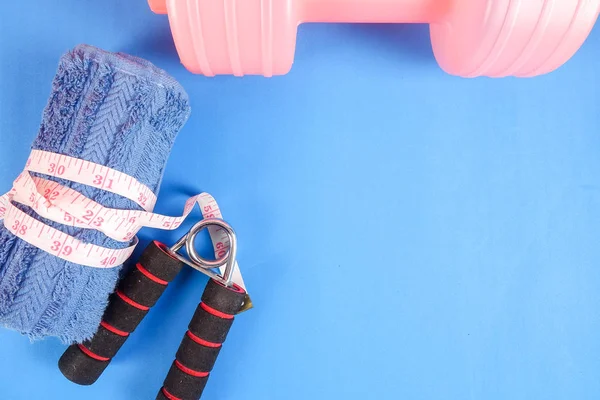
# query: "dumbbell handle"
[202,342]
[375,11]
[137,292]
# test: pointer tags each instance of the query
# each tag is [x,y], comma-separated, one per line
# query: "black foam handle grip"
[138,291]
[202,342]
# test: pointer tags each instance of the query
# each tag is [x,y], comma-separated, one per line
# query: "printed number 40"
[108,261]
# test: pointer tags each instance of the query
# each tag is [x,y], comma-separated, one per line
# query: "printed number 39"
[67,250]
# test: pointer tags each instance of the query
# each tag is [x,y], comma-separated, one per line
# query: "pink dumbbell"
[470,37]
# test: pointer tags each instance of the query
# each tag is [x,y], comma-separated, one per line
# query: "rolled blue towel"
[111,109]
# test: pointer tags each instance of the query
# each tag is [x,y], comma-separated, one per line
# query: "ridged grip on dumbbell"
[202,342]
[137,292]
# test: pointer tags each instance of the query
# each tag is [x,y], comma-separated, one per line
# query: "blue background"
[405,234]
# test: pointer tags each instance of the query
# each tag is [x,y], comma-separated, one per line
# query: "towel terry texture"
[111,109]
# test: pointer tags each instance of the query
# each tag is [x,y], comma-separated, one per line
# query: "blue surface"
[405,234]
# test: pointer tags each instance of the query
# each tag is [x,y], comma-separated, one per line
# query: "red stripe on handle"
[191,372]
[131,302]
[169,395]
[90,354]
[114,330]
[150,276]
[216,313]
[203,342]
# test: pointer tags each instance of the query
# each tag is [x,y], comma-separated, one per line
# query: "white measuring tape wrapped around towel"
[68,207]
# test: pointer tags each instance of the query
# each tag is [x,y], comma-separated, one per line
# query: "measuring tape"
[66,206]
